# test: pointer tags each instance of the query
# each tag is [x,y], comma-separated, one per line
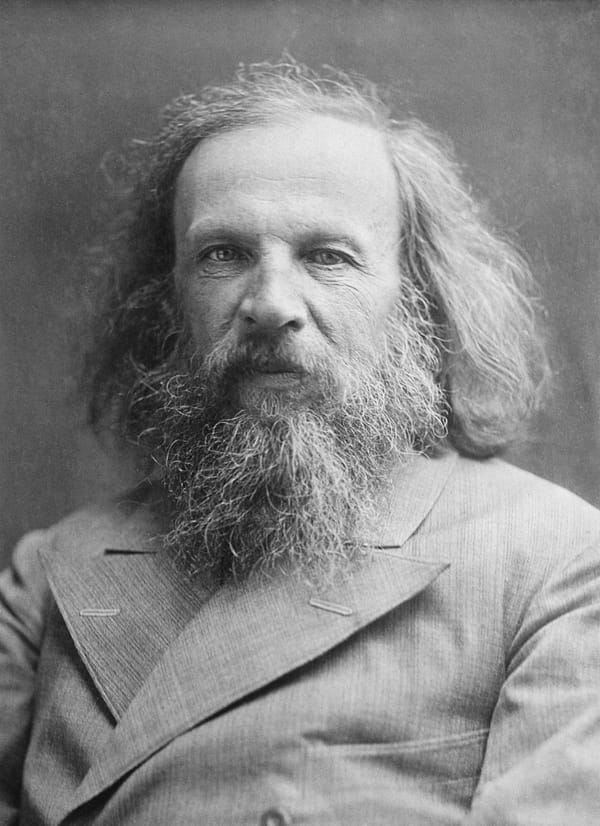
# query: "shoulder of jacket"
[128,522]
[532,515]
[499,478]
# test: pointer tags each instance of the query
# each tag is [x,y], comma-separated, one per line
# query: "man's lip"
[279,368]
[278,372]
[273,379]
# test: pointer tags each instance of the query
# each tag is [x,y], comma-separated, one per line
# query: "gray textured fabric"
[454,678]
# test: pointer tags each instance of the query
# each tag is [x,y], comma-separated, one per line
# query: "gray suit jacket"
[455,678]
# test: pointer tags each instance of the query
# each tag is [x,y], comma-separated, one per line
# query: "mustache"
[230,360]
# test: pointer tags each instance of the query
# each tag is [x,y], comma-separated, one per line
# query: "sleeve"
[542,762]
[23,599]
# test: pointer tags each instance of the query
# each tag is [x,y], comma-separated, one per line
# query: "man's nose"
[272,302]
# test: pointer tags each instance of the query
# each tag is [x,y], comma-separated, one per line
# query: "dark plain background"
[514,85]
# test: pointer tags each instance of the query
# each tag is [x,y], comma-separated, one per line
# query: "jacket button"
[275,817]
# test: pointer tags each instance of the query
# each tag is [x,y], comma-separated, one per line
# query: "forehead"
[317,169]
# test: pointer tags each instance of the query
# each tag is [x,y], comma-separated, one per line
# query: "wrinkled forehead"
[338,165]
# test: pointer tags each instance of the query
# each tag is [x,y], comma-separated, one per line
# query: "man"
[324,604]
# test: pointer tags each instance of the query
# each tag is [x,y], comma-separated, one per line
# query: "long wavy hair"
[474,286]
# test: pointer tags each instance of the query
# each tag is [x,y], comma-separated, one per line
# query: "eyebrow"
[205,229]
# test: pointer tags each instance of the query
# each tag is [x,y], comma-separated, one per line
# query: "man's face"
[287,240]
[307,367]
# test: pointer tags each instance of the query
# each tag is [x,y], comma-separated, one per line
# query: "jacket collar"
[145,633]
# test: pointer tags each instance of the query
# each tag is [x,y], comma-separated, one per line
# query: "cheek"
[206,312]
[364,308]
[357,324]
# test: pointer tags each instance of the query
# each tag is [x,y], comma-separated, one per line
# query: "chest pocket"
[416,782]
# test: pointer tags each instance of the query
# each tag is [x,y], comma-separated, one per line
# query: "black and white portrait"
[301,399]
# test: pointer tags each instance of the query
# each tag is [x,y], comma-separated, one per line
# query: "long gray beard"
[251,490]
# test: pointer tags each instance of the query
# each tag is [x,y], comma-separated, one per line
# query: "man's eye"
[327,258]
[221,255]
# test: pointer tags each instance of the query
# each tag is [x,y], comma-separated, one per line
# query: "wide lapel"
[244,638]
[122,609]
